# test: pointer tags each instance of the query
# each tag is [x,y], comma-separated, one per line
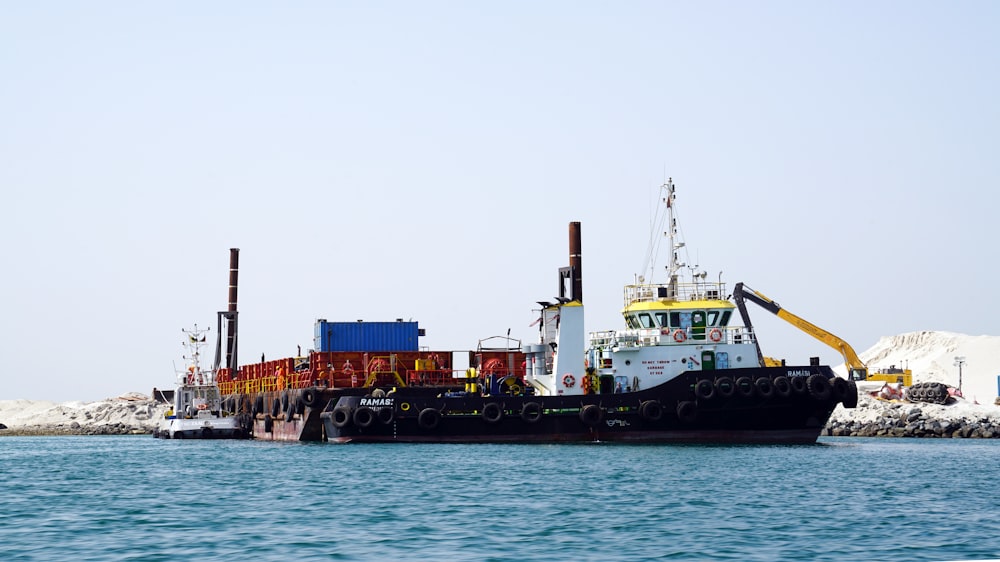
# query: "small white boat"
[198,410]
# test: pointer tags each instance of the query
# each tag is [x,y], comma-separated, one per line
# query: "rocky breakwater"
[131,413]
[879,418]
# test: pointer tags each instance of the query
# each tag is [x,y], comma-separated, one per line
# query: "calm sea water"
[139,498]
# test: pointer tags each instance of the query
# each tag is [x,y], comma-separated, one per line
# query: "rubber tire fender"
[268,423]
[341,416]
[687,411]
[744,387]
[704,389]
[819,387]
[363,417]
[799,385]
[386,415]
[492,412]
[838,389]
[851,400]
[429,418]
[275,407]
[764,386]
[941,393]
[782,387]
[591,414]
[651,410]
[311,396]
[725,387]
[531,412]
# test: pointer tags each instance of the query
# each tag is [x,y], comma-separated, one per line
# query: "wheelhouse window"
[661,320]
[646,320]
[719,317]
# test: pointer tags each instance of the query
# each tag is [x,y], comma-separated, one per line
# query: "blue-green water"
[139,498]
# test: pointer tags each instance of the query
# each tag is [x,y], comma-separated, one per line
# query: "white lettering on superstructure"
[798,373]
[376,402]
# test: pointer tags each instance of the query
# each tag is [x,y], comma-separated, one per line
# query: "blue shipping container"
[366,336]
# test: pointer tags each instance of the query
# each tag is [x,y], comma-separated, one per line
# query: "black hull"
[678,411]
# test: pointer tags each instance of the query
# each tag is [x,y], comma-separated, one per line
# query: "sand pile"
[932,358]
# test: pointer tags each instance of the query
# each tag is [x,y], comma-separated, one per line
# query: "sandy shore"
[126,414]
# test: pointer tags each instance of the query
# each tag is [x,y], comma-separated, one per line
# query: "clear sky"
[421,160]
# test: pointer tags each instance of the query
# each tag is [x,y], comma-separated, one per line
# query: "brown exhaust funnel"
[576,261]
[573,273]
[234,269]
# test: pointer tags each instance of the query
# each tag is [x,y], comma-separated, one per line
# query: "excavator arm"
[856,368]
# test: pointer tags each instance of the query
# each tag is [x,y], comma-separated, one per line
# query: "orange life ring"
[715,335]
[679,336]
[568,380]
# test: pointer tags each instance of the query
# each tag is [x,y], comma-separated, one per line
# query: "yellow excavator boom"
[856,368]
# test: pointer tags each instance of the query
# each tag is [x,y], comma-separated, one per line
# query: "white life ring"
[679,336]
[715,335]
[568,380]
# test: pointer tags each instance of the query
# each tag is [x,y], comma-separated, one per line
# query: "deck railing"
[708,290]
[663,336]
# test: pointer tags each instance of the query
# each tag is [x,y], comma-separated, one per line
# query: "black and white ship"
[683,369]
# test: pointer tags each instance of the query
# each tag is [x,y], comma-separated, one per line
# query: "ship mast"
[195,340]
[673,266]
[664,227]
